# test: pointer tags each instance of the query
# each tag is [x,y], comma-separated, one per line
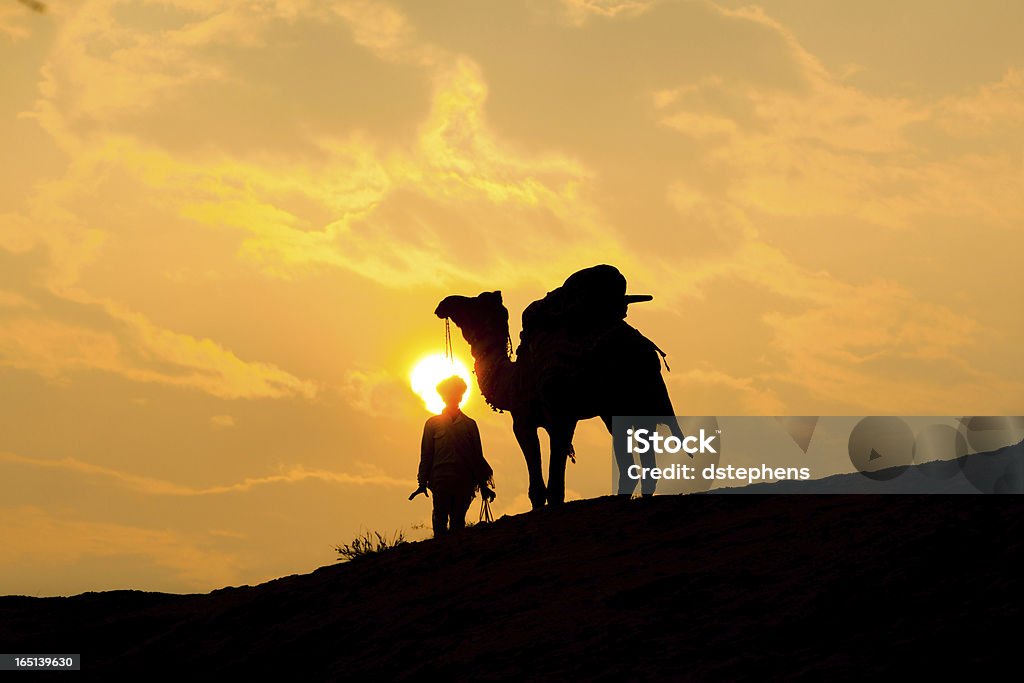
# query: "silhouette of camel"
[559,378]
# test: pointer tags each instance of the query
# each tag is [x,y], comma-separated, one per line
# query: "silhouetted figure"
[452,463]
[578,358]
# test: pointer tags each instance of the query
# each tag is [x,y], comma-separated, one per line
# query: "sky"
[225,225]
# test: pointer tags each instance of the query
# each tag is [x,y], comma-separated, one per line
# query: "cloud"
[222,421]
[127,344]
[718,393]
[69,549]
[209,366]
[386,32]
[876,345]
[16,20]
[148,485]
[831,149]
[488,144]
[368,198]
[578,11]
[45,251]
[13,300]
[377,392]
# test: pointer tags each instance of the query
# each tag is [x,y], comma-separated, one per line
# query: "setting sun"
[431,370]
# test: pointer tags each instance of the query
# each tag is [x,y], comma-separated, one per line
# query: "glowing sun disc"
[429,371]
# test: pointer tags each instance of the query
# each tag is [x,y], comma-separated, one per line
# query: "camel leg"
[648,460]
[561,445]
[529,443]
[662,407]
[623,459]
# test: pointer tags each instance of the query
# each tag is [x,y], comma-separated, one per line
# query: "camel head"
[478,317]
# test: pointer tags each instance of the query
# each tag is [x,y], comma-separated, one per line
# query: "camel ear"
[497,293]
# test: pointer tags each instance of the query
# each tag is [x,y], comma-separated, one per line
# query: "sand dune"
[698,587]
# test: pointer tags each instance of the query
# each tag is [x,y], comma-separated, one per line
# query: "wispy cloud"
[490,187]
[718,393]
[42,545]
[16,18]
[148,485]
[130,346]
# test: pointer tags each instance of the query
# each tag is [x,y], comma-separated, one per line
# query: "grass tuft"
[369,543]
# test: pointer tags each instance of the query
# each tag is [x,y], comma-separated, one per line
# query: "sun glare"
[428,372]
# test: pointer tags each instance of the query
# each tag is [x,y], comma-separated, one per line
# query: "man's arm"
[426,462]
[426,455]
[481,468]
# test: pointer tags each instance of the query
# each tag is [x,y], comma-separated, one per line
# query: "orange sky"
[224,226]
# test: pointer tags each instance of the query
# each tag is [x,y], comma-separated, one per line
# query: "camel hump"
[588,303]
[590,298]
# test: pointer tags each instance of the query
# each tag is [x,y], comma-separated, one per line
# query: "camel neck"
[494,370]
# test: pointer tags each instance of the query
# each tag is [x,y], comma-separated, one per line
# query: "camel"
[605,369]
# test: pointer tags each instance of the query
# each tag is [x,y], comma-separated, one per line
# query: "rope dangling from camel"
[663,355]
[448,353]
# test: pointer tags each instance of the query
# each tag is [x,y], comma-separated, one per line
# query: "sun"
[429,371]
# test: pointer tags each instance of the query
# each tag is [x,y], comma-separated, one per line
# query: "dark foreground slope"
[700,587]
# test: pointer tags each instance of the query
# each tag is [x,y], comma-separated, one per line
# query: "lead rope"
[485,506]
[485,510]
[448,353]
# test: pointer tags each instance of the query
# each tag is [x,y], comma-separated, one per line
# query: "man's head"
[451,391]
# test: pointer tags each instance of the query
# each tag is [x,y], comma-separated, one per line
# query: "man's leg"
[442,510]
[460,506]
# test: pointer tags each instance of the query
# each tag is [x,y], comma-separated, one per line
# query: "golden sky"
[224,226]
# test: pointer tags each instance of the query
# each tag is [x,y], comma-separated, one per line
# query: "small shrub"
[368,543]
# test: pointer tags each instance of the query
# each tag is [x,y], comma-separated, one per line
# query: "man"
[452,461]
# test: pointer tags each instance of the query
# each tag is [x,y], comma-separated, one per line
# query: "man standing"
[452,461]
